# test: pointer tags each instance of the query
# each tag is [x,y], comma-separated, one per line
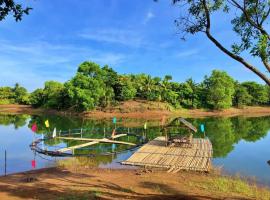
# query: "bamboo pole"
[104,140]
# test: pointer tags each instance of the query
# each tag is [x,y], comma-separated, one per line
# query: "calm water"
[240,144]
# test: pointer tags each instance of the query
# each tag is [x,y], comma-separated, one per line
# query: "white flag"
[54,133]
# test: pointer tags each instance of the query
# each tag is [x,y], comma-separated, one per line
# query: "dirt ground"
[140,110]
[57,183]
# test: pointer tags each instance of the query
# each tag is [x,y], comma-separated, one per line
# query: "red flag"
[34,127]
[33,163]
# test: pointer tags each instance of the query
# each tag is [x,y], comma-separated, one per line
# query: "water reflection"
[229,136]
[224,133]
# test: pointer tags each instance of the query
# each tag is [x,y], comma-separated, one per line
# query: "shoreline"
[96,183]
[145,113]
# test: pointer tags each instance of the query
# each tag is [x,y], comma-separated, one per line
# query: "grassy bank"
[140,109]
[92,183]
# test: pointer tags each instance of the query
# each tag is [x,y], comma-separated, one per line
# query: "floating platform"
[174,158]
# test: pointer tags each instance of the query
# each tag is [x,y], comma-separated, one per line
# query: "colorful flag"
[47,124]
[145,125]
[34,127]
[54,133]
[114,120]
[202,128]
[33,163]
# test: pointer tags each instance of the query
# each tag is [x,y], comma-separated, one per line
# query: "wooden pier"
[174,158]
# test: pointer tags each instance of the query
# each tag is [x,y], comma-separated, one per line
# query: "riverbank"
[92,183]
[140,110]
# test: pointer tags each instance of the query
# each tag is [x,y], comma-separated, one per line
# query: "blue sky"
[130,36]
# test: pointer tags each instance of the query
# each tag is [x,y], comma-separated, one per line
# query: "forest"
[95,87]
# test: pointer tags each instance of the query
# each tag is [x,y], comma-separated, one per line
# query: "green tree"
[125,89]
[188,93]
[258,92]
[241,97]
[248,19]
[6,95]
[21,95]
[37,98]
[220,88]
[11,7]
[52,94]
[86,89]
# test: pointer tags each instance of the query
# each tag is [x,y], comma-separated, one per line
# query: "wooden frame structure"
[179,140]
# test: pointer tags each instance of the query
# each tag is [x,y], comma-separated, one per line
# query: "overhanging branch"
[226,51]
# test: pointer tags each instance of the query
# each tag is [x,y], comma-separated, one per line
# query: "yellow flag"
[145,125]
[47,123]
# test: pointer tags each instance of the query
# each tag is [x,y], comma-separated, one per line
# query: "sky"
[131,36]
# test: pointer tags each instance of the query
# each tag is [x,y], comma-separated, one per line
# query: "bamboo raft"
[156,154]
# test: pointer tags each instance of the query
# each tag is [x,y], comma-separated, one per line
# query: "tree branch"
[226,51]
[257,26]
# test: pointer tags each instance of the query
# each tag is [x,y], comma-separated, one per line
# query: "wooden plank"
[104,140]
[118,136]
[77,146]
[173,158]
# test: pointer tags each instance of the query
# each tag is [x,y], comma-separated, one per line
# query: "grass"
[233,185]
[91,195]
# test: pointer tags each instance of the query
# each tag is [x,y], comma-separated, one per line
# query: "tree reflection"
[224,133]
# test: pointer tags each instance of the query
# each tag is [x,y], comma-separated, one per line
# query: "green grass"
[91,195]
[234,185]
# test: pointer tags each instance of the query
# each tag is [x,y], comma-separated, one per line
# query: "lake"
[240,144]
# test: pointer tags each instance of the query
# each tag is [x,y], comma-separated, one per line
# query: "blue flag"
[114,120]
[202,127]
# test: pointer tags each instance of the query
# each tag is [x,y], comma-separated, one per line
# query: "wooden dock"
[156,154]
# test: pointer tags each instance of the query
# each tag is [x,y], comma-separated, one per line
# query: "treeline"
[98,87]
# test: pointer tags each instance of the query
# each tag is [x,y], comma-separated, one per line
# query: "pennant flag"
[33,163]
[145,125]
[47,124]
[114,120]
[202,128]
[54,133]
[34,127]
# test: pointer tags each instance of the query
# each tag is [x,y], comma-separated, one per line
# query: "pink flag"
[33,163]
[34,127]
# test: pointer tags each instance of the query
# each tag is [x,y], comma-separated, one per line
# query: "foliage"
[248,20]
[220,88]
[95,87]
[11,7]
[259,93]
[241,97]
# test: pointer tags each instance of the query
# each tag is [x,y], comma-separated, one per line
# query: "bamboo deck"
[156,154]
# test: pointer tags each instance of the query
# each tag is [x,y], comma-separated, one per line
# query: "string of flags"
[34,127]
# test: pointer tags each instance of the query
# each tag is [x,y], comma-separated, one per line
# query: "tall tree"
[248,19]
[220,90]
[11,7]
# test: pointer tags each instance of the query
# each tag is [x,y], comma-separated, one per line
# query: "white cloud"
[32,63]
[148,17]
[124,37]
[187,53]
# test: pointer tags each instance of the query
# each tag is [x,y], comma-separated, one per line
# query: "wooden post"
[5,162]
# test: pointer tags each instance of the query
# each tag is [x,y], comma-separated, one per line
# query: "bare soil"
[140,109]
[57,183]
